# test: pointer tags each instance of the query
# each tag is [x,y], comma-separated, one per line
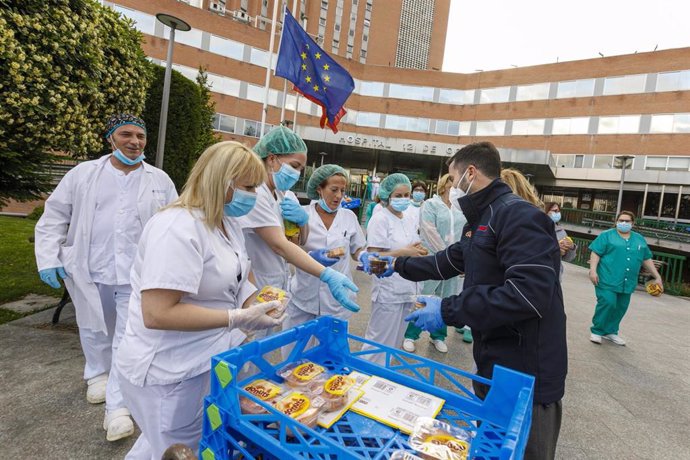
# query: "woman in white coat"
[391,233]
[284,155]
[88,235]
[190,298]
[330,226]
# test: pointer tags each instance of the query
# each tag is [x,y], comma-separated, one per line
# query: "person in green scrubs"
[617,255]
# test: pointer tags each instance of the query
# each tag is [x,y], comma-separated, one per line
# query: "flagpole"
[272,40]
[294,115]
[282,109]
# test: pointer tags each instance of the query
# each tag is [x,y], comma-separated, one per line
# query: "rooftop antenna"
[655,47]
[601,54]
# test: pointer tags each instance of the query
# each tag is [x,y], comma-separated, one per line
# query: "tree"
[65,66]
[190,122]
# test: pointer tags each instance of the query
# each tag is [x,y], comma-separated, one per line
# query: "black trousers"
[546,425]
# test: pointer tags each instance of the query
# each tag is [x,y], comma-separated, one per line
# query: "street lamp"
[174,24]
[622,160]
[323,154]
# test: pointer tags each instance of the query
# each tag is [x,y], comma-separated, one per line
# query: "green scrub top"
[621,260]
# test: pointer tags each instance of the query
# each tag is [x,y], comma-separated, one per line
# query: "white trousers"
[100,348]
[386,326]
[166,415]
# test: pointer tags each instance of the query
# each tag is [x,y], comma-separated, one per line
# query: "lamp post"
[174,24]
[323,154]
[624,165]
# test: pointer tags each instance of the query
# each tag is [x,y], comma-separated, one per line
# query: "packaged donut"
[336,392]
[303,375]
[403,455]
[303,407]
[262,389]
[433,439]
[270,293]
[336,253]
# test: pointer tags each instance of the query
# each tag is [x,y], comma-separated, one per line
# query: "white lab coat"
[269,268]
[178,251]
[309,294]
[63,233]
[414,211]
[387,231]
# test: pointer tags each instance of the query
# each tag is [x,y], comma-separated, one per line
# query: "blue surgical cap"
[280,141]
[390,183]
[321,174]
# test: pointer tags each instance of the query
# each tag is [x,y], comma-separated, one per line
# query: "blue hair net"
[390,183]
[280,141]
[321,174]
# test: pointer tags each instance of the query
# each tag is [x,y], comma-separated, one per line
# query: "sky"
[501,34]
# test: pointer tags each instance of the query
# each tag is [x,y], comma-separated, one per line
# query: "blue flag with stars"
[314,73]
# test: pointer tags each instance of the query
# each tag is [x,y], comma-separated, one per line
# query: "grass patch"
[18,272]
[8,315]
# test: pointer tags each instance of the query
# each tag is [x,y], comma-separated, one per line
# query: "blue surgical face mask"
[325,207]
[124,159]
[418,196]
[400,204]
[624,227]
[286,177]
[555,217]
[241,204]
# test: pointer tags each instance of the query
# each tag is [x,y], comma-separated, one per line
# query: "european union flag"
[313,72]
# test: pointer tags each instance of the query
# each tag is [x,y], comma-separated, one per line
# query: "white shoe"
[615,338]
[95,394]
[595,338]
[440,345]
[409,346]
[118,424]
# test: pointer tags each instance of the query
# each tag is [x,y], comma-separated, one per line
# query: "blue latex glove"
[320,256]
[364,258]
[428,318]
[339,285]
[391,269]
[293,212]
[50,276]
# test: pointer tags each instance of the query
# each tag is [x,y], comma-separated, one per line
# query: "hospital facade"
[566,125]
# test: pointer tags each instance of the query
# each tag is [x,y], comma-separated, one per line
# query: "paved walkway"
[621,402]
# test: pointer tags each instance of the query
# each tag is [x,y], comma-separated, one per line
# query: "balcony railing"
[661,230]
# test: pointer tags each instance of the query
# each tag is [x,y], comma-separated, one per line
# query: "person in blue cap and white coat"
[88,237]
[284,155]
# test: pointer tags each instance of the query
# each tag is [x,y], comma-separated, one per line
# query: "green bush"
[36,213]
[66,66]
[189,128]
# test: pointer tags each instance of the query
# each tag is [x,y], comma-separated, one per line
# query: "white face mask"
[456,192]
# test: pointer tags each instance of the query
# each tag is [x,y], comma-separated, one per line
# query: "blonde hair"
[442,184]
[520,186]
[208,180]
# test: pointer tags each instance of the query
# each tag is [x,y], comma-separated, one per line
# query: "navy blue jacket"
[512,296]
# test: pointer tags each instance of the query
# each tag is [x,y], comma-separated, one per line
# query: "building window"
[678,164]
[415,93]
[491,128]
[494,95]
[655,163]
[372,120]
[533,127]
[226,123]
[533,92]
[603,161]
[628,84]
[673,81]
[579,161]
[575,88]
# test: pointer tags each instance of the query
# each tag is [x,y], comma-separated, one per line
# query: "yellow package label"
[445,446]
[307,371]
[291,229]
[270,293]
[338,385]
[263,389]
[294,405]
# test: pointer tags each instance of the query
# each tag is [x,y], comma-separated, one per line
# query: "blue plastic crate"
[500,423]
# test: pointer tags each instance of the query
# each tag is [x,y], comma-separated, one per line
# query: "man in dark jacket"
[512,296]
